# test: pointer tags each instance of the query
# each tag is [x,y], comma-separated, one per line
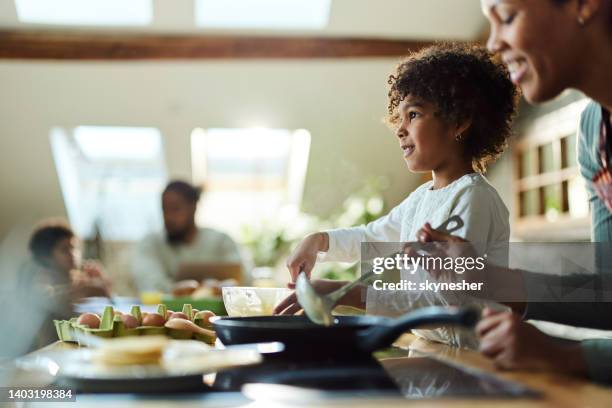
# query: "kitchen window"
[263,14]
[85,12]
[249,175]
[111,179]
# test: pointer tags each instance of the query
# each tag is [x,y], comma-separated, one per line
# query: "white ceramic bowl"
[242,301]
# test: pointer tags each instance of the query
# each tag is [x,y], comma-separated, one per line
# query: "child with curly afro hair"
[466,91]
[451,107]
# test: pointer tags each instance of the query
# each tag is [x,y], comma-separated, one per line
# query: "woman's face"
[538,42]
[65,254]
[426,140]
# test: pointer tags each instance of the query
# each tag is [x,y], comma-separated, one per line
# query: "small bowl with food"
[243,301]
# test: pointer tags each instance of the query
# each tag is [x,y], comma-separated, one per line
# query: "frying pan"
[348,334]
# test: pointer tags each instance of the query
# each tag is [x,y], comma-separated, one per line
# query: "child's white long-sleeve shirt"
[486,226]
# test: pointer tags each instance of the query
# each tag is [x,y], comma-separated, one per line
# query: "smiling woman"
[554,45]
[551,45]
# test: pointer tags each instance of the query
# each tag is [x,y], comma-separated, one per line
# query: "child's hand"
[290,304]
[94,271]
[304,256]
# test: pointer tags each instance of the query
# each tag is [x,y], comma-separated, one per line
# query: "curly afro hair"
[465,83]
[46,236]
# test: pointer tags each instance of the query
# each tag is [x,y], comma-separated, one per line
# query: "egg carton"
[214,304]
[111,326]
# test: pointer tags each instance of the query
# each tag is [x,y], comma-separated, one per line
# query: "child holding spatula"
[451,107]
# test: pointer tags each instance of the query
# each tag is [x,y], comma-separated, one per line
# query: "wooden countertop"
[556,390]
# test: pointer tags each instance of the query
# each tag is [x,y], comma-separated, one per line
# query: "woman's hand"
[501,284]
[304,256]
[428,234]
[513,344]
[290,304]
[436,244]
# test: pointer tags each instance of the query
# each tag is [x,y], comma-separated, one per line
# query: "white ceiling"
[407,19]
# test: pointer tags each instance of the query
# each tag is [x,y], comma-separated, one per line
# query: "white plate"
[181,358]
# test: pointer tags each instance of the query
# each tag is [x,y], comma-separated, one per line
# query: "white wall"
[340,102]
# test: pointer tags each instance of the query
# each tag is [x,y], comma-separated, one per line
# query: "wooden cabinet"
[550,198]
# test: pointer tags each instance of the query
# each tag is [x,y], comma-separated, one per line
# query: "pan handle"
[381,336]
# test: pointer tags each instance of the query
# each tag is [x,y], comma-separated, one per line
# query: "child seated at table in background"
[451,107]
[54,278]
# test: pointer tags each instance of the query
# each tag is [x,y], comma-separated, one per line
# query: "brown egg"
[153,319]
[205,315]
[90,320]
[129,321]
[178,315]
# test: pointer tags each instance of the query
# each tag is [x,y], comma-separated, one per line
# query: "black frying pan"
[349,334]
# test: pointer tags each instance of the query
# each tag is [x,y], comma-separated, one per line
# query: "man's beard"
[176,237]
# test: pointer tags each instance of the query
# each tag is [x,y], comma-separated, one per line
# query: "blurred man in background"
[160,256]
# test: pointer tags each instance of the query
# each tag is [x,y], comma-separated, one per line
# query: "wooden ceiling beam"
[70,45]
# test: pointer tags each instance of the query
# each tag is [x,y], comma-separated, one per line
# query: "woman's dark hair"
[46,237]
[186,190]
[603,4]
[465,83]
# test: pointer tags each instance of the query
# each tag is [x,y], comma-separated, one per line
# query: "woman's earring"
[459,137]
[580,20]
